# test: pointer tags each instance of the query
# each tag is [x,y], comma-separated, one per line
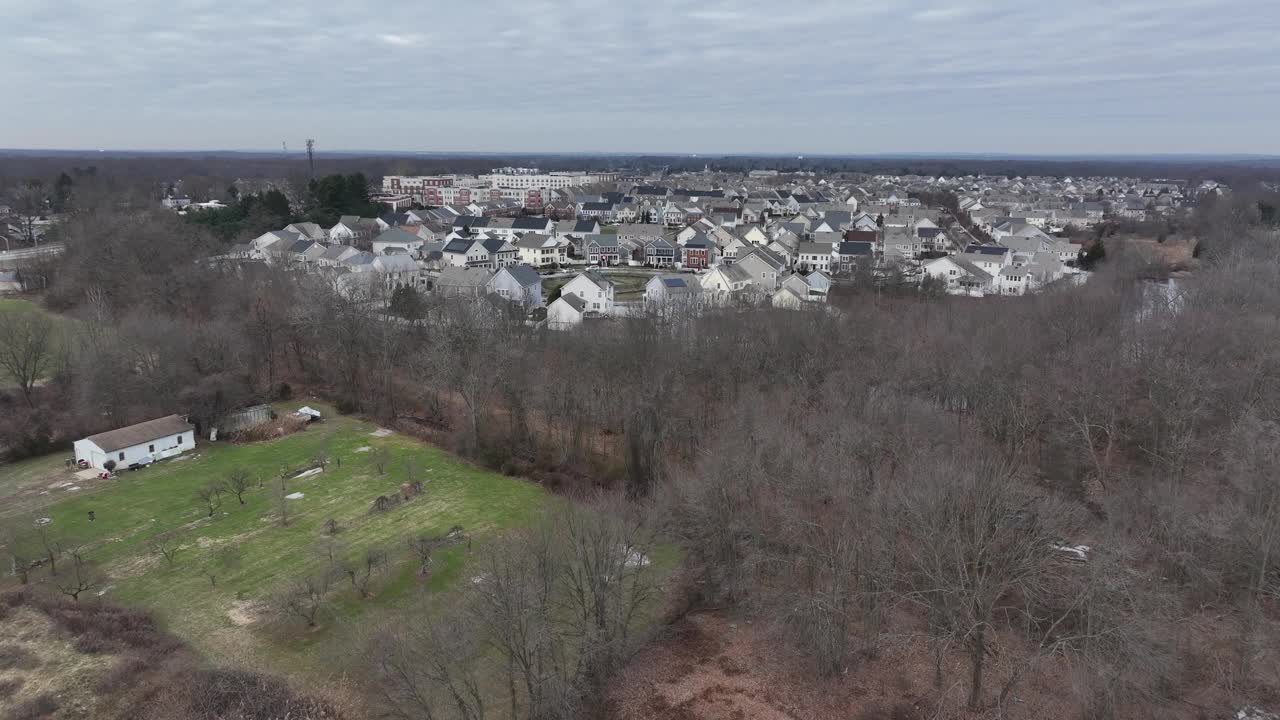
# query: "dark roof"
[597,206]
[651,190]
[987,249]
[141,433]
[674,282]
[457,246]
[493,245]
[529,223]
[698,242]
[861,235]
[585,226]
[394,219]
[469,221]
[928,232]
[856,247]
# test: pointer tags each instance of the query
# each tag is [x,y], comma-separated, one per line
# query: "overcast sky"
[811,76]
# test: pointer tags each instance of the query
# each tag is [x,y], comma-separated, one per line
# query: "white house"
[566,312]
[538,250]
[663,289]
[517,283]
[139,444]
[594,289]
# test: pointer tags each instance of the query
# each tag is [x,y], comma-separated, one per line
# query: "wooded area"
[902,470]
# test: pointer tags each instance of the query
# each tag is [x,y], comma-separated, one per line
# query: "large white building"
[139,444]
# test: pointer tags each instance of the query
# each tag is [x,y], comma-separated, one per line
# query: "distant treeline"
[210,173]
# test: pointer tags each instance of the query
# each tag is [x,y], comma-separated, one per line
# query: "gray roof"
[574,301]
[523,274]
[533,240]
[397,235]
[141,433]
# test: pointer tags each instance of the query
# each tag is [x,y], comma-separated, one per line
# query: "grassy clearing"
[226,620]
[62,326]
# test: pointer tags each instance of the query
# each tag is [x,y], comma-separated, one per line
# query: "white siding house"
[137,444]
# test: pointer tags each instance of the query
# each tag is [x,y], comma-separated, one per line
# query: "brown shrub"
[203,694]
[9,687]
[41,706]
[16,657]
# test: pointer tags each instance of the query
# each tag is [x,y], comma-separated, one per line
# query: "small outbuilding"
[140,444]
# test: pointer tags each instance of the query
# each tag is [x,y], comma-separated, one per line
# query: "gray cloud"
[665,75]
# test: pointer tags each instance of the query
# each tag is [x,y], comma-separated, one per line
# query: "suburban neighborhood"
[555,243]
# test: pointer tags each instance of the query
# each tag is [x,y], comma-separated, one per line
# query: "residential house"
[722,282]
[672,289]
[352,230]
[698,253]
[764,267]
[816,256]
[595,289]
[851,254]
[601,249]
[309,230]
[961,276]
[139,444]
[396,238]
[540,251]
[454,281]
[660,252]
[518,283]
[466,252]
[501,252]
[567,312]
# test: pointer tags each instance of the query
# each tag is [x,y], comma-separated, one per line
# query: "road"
[21,255]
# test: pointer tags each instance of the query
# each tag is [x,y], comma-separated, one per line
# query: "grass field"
[228,620]
[13,305]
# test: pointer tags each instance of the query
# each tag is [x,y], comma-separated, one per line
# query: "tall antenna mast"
[285,146]
[311,156]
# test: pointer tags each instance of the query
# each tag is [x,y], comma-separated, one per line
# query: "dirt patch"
[243,612]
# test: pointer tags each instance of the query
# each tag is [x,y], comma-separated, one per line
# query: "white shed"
[137,444]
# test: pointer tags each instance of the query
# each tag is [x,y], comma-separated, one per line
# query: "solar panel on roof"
[673,282]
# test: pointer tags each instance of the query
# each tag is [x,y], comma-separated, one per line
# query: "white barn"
[142,443]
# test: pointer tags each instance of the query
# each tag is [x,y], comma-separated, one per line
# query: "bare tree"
[226,558]
[422,546]
[238,482]
[282,502]
[18,542]
[976,537]
[167,545]
[51,546]
[363,572]
[211,497]
[433,668]
[30,203]
[380,458]
[26,349]
[306,596]
[80,578]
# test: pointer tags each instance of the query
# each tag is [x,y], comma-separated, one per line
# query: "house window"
[122,456]
[151,448]
[179,439]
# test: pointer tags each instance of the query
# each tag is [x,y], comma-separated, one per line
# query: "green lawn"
[227,620]
[61,325]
